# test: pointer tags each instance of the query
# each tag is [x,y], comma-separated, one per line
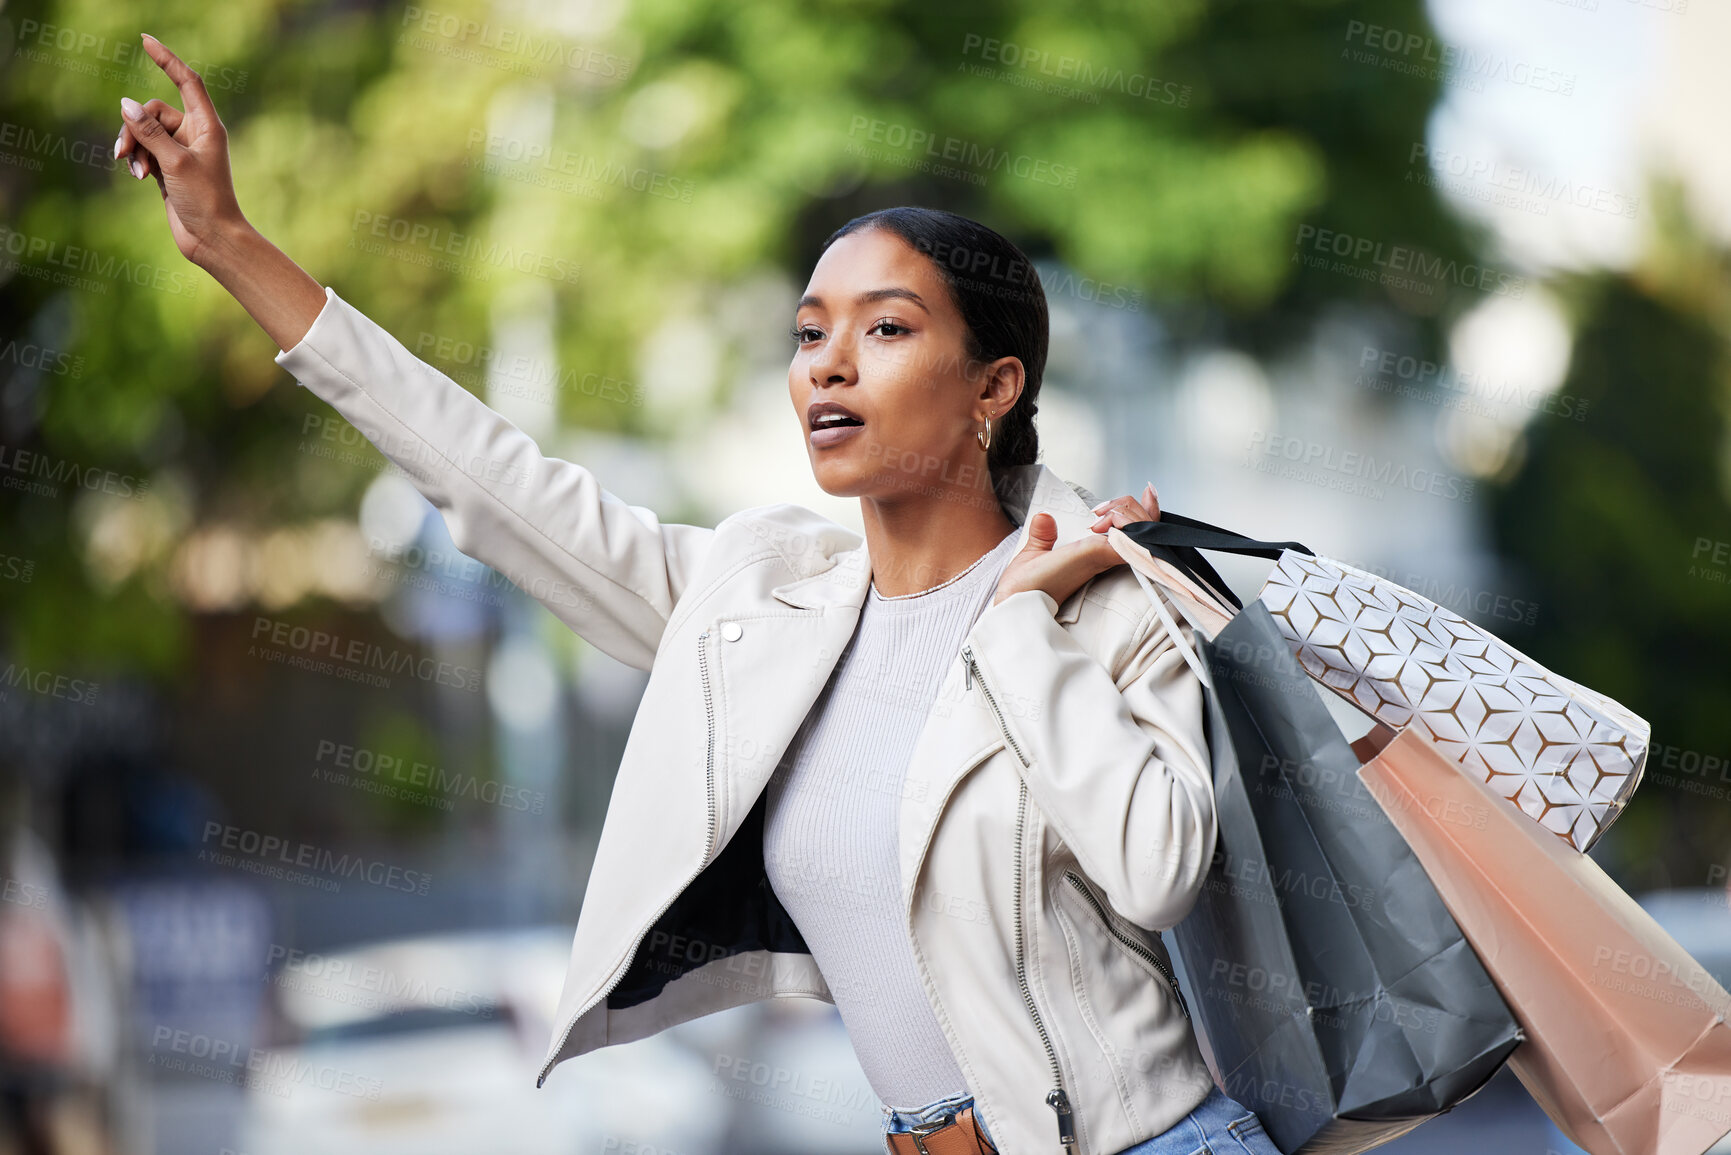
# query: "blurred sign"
[196,950]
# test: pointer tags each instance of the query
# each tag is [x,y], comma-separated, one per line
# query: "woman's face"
[879,337]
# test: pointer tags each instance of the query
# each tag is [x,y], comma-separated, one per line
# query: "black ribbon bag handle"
[1179,540]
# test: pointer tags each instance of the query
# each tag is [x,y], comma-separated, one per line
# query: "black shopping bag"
[1339,999]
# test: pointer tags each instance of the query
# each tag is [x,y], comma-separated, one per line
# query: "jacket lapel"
[771,667]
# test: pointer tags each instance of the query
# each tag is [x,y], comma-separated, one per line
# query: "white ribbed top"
[830,828]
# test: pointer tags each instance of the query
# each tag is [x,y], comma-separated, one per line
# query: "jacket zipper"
[973,671]
[708,847]
[1055,1098]
[1138,949]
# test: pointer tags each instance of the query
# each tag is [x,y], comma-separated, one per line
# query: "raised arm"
[609,570]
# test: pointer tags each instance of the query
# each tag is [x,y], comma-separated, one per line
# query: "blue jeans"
[897,1121]
[1219,1124]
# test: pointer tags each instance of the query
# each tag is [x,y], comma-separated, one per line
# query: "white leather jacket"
[1058,808]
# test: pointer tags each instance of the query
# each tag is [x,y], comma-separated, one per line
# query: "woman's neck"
[916,543]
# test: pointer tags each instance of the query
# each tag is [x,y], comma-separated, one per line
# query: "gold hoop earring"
[985,437]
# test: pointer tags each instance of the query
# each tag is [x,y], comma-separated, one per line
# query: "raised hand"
[187,153]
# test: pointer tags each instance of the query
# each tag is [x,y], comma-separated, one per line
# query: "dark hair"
[997,290]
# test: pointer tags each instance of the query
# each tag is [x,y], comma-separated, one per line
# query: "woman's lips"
[824,438]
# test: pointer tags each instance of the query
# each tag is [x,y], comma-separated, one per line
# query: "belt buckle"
[920,1130]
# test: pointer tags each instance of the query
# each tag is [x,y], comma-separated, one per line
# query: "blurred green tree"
[633,169]
[1621,525]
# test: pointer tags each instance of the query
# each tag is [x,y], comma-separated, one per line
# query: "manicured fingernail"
[117,138]
[130,108]
[137,167]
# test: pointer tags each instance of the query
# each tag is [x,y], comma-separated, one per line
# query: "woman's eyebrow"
[870,295]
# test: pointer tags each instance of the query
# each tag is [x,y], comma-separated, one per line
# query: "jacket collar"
[1025,490]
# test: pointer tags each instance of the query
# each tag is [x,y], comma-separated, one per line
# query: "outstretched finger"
[190,85]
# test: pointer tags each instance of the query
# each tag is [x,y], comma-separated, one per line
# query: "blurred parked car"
[431,1045]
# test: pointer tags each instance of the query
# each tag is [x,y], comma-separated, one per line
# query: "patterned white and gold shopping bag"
[1568,756]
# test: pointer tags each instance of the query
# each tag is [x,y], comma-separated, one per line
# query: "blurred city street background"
[1440,290]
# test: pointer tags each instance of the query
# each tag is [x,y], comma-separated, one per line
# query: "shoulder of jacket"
[1121,596]
[804,536]
[1115,617]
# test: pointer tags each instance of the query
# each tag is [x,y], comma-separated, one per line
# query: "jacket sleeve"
[1119,766]
[610,571]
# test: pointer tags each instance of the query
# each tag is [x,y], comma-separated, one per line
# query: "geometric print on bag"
[1408,661]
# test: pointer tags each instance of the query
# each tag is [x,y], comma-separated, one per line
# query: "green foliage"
[1188,139]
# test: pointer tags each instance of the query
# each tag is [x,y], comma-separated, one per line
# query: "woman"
[951,778]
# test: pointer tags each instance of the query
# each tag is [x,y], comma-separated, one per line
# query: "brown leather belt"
[958,1135]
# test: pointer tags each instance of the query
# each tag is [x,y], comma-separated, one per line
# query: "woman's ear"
[1002,386]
